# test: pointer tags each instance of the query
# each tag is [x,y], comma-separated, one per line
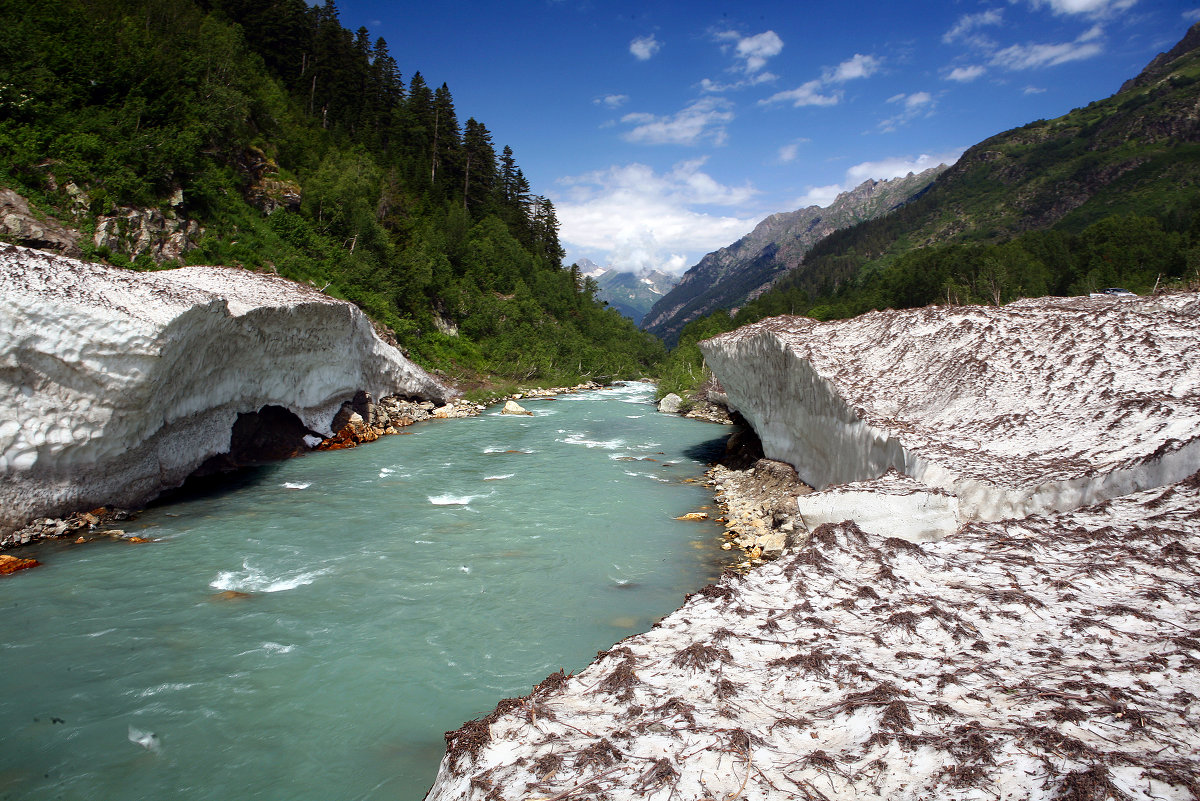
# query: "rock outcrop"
[1039,406]
[115,385]
[19,224]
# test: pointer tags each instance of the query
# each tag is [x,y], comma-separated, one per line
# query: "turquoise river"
[311,630]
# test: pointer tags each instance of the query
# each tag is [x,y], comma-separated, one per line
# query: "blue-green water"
[394,591]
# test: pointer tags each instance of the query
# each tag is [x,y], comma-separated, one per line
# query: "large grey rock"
[670,404]
[19,224]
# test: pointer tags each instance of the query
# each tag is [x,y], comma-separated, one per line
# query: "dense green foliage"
[406,212]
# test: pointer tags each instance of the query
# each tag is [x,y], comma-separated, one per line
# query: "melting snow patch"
[296,485]
[1019,659]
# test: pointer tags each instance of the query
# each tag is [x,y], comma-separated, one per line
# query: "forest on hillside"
[301,148]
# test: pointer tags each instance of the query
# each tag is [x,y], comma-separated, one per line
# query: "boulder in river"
[512,407]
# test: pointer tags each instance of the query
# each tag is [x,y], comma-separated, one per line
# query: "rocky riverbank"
[360,420]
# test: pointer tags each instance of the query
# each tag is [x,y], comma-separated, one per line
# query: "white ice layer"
[892,505]
[115,384]
[1039,406]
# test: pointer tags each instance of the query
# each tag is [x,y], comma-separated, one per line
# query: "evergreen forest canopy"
[402,209]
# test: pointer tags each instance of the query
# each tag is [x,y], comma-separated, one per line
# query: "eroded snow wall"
[115,385]
[1042,405]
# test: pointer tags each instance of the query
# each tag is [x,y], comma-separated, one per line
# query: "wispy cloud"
[1192,15]
[823,91]
[635,218]
[967,25]
[1036,56]
[965,74]
[643,48]
[912,106]
[1089,8]
[703,120]
[882,170]
[612,101]
[788,153]
[806,94]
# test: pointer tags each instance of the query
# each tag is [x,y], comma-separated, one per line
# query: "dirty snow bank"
[1039,406]
[115,385]
[1036,659]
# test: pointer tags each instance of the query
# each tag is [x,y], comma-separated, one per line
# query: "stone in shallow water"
[11,564]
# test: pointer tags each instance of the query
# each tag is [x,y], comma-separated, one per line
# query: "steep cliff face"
[115,385]
[728,277]
[1039,406]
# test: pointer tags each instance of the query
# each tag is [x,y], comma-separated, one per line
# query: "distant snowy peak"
[631,292]
[589,268]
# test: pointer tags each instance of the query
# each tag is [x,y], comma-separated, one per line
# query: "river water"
[311,632]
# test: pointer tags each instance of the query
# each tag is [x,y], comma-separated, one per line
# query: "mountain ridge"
[730,276]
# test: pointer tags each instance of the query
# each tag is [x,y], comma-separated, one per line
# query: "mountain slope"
[1133,156]
[633,294]
[730,276]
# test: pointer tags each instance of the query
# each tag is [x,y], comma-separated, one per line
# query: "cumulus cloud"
[612,101]
[1090,8]
[753,51]
[643,48]
[703,120]
[1037,56]
[636,218]
[857,66]
[965,74]
[968,24]
[882,170]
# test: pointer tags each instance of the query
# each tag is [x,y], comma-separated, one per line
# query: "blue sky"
[665,130]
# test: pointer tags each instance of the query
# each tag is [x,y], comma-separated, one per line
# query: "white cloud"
[704,119]
[1036,56]
[1090,8]
[912,106]
[788,153]
[643,48]
[857,66]
[807,94]
[969,23]
[639,219]
[1192,16]
[817,91]
[882,170]
[714,87]
[612,101]
[1032,90]
[755,50]
[965,74]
